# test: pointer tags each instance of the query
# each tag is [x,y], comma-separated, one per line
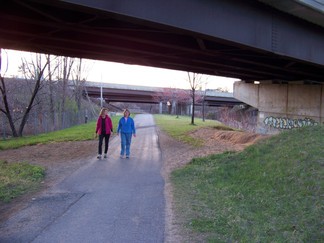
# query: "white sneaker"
[105,155]
[99,156]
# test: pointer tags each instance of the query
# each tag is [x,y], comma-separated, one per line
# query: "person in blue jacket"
[126,128]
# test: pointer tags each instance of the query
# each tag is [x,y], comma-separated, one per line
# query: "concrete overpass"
[242,39]
[278,43]
[145,94]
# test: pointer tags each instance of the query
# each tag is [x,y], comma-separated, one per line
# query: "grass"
[75,133]
[18,178]
[270,192]
[180,128]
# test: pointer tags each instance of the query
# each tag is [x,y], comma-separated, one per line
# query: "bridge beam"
[247,40]
[248,23]
[283,106]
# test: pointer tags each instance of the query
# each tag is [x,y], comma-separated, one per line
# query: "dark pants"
[101,137]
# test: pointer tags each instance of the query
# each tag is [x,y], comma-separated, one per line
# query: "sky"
[118,73]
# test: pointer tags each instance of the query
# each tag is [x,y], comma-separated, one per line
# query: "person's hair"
[126,110]
[102,111]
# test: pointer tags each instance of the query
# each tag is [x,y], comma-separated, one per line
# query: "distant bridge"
[145,94]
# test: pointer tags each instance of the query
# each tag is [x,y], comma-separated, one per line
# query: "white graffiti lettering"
[287,123]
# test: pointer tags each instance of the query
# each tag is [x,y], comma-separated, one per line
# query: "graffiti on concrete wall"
[288,123]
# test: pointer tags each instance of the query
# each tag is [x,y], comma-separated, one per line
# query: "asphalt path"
[108,200]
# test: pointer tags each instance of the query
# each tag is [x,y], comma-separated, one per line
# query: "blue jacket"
[126,127]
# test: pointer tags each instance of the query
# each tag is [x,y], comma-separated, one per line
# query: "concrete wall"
[283,106]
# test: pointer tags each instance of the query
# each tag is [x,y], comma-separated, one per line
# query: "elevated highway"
[145,94]
[250,40]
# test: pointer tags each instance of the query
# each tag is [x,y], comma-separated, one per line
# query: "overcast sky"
[110,72]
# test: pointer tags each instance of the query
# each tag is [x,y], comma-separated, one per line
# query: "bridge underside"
[120,95]
[62,28]
[150,97]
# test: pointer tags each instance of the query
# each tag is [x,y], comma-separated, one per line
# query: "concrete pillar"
[283,106]
[174,107]
[190,107]
[160,107]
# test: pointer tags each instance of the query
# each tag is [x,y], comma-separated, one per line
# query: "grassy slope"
[75,133]
[271,192]
[179,128]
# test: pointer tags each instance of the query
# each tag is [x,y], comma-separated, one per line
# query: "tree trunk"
[51,98]
[63,91]
[6,109]
[193,108]
[67,67]
[203,110]
[77,88]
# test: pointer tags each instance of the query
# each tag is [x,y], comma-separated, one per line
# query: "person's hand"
[134,135]
[96,135]
[117,133]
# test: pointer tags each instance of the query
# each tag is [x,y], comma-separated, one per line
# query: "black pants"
[101,137]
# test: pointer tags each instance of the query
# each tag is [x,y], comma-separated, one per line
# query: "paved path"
[109,200]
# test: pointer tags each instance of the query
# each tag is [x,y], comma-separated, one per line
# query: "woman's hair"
[126,110]
[102,111]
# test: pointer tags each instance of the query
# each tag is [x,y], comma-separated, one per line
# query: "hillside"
[269,192]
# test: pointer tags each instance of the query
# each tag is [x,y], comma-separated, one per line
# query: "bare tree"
[196,81]
[52,86]
[65,66]
[44,100]
[51,83]
[39,69]
[78,81]
[35,70]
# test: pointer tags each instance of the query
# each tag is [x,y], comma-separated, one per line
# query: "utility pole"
[203,108]
[101,98]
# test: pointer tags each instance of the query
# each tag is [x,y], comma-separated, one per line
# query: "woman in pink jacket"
[104,129]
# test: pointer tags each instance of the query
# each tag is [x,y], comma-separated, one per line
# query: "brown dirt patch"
[238,139]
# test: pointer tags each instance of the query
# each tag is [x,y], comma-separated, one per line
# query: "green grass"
[270,192]
[180,128]
[18,178]
[75,133]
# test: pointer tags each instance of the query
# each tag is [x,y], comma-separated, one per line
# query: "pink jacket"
[109,125]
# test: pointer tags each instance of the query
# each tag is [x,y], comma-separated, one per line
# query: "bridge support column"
[283,106]
[160,107]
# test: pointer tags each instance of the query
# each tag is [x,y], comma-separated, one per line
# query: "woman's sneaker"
[105,155]
[99,156]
